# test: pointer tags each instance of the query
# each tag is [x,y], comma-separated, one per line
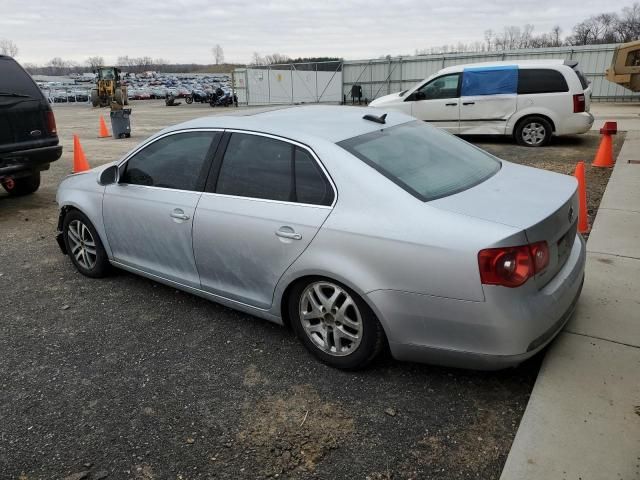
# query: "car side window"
[440,88]
[176,161]
[257,167]
[541,80]
[311,183]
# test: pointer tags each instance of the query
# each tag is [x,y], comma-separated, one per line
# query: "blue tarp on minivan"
[497,80]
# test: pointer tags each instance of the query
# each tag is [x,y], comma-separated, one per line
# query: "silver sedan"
[361,231]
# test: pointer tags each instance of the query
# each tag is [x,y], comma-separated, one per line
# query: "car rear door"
[149,214]
[488,99]
[265,200]
[438,102]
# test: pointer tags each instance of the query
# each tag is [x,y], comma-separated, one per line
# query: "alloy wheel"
[331,319]
[82,243]
[533,133]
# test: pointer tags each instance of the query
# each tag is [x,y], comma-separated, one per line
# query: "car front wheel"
[84,246]
[335,324]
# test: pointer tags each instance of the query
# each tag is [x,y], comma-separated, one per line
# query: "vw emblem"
[571,214]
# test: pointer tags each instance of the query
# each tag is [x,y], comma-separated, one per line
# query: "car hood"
[387,100]
[517,196]
[87,180]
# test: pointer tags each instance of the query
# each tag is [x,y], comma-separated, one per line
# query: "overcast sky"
[184,31]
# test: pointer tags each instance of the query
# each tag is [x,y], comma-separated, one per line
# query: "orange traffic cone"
[104,132]
[80,163]
[604,157]
[583,222]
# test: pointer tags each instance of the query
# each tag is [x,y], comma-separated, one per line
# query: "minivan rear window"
[13,79]
[583,80]
[427,162]
[541,80]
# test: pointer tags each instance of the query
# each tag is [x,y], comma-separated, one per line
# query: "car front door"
[148,215]
[438,102]
[265,200]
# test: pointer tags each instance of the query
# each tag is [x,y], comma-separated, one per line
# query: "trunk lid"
[543,204]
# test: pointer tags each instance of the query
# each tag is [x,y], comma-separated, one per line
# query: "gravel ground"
[123,378]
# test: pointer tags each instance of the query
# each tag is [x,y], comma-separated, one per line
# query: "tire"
[117,95]
[360,336]
[95,100]
[533,131]
[84,246]
[22,186]
[189,100]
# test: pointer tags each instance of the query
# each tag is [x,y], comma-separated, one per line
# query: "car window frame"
[558,73]
[213,177]
[204,172]
[412,97]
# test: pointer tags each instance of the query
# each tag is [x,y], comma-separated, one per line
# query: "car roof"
[553,62]
[302,123]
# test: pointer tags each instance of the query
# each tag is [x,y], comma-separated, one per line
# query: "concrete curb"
[583,418]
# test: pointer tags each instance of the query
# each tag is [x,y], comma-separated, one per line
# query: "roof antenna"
[373,118]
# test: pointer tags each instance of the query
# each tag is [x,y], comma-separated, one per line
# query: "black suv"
[28,136]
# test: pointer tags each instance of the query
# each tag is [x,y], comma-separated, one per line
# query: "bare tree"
[276,58]
[8,47]
[629,25]
[256,59]
[556,31]
[95,62]
[218,54]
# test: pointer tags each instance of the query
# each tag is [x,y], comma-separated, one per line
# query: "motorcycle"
[197,97]
[221,99]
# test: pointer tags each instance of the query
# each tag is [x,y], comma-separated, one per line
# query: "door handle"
[468,103]
[450,104]
[179,214]
[288,232]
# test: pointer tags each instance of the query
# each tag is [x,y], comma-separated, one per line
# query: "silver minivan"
[531,100]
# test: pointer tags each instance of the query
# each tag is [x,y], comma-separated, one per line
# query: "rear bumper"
[31,159]
[510,326]
[575,123]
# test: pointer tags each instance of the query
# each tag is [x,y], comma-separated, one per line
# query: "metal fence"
[317,82]
[68,94]
[383,76]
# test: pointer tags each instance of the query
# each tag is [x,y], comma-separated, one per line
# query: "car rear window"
[427,162]
[13,79]
[541,80]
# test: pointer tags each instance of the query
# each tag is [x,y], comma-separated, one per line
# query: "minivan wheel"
[335,324]
[22,186]
[84,246]
[533,132]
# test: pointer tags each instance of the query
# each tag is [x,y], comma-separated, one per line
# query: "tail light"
[579,103]
[51,123]
[512,266]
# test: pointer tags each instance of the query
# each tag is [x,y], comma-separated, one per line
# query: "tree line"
[598,29]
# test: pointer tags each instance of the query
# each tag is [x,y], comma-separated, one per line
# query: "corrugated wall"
[382,76]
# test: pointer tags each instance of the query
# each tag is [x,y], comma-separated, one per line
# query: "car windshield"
[427,162]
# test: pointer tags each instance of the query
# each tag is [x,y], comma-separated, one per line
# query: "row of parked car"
[141,87]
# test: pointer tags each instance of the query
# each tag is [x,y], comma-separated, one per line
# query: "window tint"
[176,161]
[583,80]
[257,167]
[312,185]
[443,87]
[13,79]
[425,161]
[540,80]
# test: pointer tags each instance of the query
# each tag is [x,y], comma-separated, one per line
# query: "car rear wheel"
[84,246]
[335,324]
[22,186]
[534,132]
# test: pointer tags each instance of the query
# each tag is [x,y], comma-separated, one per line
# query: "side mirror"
[109,175]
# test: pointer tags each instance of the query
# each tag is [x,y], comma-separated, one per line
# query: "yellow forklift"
[109,90]
[625,66]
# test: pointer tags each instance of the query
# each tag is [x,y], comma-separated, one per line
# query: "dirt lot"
[126,378]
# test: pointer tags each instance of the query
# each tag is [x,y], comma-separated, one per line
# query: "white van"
[531,100]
